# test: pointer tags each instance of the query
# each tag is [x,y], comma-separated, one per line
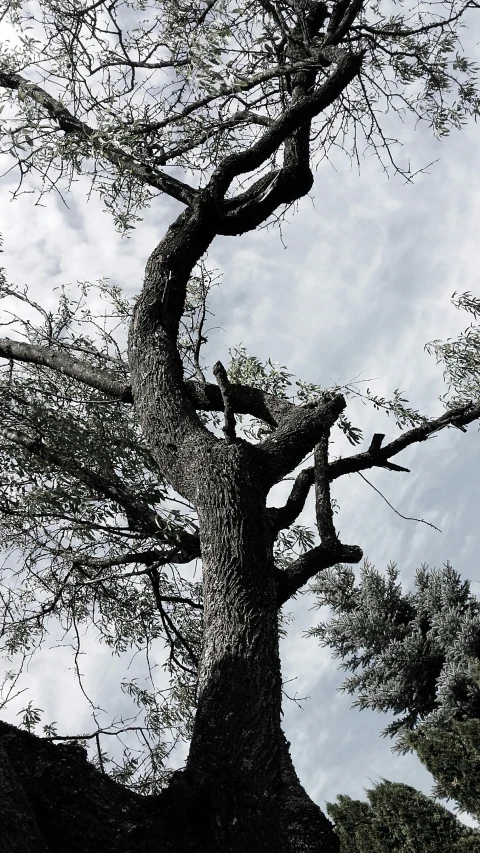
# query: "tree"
[242,98]
[451,753]
[416,655]
[398,819]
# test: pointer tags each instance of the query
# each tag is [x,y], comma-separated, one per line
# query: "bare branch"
[62,362]
[323,504]
[405,517]
[458,417]
[221,376]
[281,517]
[290,580]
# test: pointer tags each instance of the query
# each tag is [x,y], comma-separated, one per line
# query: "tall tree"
[242,98]
[399,819]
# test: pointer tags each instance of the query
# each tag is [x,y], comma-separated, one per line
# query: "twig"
[406,517]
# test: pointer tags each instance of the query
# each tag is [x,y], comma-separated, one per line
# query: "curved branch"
[281,517]
[290,580]
[296,115]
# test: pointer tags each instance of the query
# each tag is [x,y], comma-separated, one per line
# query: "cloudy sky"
[362,280]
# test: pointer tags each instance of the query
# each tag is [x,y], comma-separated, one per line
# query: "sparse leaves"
[461,356]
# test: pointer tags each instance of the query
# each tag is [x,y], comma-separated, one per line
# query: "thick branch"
[323,504]
[379,456]
[221,376]
[143,558]
[290,580]
[281,517]
[206,397]
[291,120]
[341,20]
[112,152]
[62,362]
[297,435]
[245,400]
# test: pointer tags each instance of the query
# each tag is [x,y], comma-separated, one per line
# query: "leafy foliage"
[182,83]
[416,655]
[451,753]
[461,356]
[398,819]
[72,533]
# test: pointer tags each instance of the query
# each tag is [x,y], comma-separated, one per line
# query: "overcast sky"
[361,282]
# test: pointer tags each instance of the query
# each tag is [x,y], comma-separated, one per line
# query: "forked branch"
[281,517]
[298,573]
[378,456]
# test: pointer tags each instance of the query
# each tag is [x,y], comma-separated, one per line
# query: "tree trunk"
[239,790]
[239,782]
[238,744]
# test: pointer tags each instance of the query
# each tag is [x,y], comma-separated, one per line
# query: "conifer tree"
[399,819]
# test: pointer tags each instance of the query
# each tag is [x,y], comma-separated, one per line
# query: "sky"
[358,281]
